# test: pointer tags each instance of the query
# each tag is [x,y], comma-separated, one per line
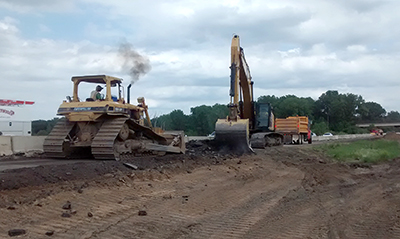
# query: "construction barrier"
[23,144]
[5,146]
[343,137]
[20,144]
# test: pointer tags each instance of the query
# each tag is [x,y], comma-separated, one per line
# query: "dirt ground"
[280,192]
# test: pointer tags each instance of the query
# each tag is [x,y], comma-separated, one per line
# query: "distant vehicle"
[212,135]
[376,131]
[313,134]
[327,134]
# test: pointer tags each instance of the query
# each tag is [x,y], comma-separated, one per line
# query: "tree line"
[331,112]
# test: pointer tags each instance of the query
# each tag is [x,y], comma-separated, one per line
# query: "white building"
[15,117]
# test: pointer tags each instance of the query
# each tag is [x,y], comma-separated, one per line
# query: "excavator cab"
[264,117]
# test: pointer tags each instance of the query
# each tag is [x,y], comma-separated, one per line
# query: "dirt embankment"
[280,192]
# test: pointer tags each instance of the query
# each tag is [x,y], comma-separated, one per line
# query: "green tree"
[163,121]
[179,120]
[43,127]
[393,116]
[202,119]
[372,112]
[320,128]
[338,110]
[289,105]
[272,99]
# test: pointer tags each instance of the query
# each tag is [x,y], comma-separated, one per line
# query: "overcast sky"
[292,47]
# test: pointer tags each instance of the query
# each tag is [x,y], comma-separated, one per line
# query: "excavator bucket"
[234,135]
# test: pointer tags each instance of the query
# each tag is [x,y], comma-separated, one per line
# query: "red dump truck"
[295,129]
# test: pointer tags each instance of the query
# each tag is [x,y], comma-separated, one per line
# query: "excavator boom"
[233,132]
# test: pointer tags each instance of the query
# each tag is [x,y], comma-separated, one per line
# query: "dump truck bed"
[292,125]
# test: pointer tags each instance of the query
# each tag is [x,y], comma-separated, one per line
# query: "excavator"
[109,127]
[249,124]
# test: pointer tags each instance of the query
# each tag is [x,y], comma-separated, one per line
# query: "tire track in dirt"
[232,207]
[294,195]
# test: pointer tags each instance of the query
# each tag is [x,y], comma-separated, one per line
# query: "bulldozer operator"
[96,95]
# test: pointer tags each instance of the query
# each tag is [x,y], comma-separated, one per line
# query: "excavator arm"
[241,86]
[233,132]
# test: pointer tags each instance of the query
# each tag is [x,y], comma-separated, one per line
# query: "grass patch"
[367,151]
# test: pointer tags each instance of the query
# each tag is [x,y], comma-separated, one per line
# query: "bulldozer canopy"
[99,79]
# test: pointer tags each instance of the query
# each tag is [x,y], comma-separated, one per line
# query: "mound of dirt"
[392,136]
[198,153]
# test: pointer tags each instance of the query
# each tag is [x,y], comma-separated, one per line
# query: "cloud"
[28,6]
[293,47]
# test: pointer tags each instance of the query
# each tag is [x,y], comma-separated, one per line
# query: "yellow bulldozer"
[107,127]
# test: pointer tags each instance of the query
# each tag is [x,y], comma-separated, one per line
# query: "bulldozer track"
[103,142]
[53,144]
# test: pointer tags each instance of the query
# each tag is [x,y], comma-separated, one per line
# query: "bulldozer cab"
[111,86]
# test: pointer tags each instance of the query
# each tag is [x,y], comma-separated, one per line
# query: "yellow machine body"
[108,128]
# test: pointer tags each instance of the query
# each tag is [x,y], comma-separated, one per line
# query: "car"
[327,134]
[313,134]
[212,135]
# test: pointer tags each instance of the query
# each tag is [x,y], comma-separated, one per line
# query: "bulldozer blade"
[233,135]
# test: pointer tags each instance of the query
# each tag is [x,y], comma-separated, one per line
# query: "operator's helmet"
[99,88]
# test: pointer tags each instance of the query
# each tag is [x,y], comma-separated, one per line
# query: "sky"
[301,48]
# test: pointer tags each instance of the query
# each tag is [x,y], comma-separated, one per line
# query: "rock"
[89,214]
[197,144]
[11,208]
[185,198]
[49,233]
[73,212]
[80,190]
[142,213]
[67,205]
[65,214]
[132,166]
[85,185]
[16,232]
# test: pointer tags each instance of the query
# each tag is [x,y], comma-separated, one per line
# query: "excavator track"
[103,142]
[54,145]
[266,139]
